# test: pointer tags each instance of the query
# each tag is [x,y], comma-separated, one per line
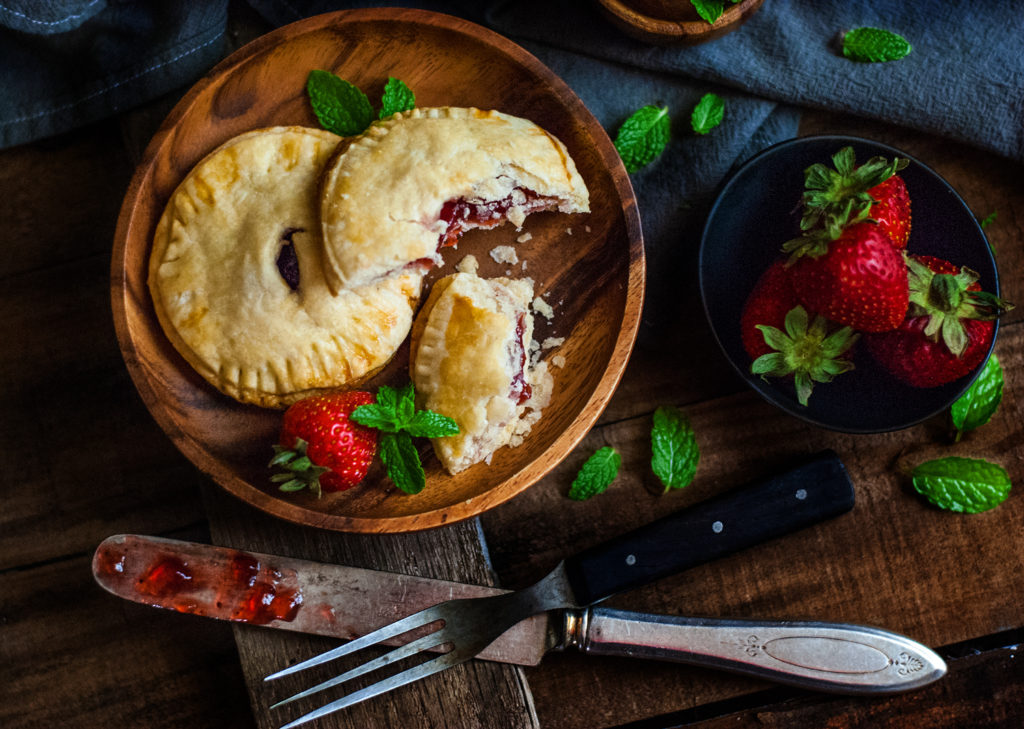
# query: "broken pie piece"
[411,184]
[469,360]
[237,280]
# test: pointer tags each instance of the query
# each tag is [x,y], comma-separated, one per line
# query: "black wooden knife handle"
[814,490]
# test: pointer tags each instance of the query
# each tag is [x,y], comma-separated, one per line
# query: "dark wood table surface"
[82,459]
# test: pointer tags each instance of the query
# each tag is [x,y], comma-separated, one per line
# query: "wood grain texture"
[476,695]
[894,561]
[447,62]
[73,655]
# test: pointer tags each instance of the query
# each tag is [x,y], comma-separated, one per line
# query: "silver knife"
[347,602]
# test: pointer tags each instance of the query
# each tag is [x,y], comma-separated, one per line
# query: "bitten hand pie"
[413,183]
[470,361]
[237,280]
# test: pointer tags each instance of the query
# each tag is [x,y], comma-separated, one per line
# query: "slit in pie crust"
[411,184]
[470,361]
[237,279]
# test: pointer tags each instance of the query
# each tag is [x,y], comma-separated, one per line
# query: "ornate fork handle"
[834,657]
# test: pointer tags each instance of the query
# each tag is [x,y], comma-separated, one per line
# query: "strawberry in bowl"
[948,329]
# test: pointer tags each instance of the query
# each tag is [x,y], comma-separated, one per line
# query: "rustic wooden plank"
[74,655]
[894,561]
[475,695]
[83,456]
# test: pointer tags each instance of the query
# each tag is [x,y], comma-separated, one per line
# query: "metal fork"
[815,490]
[468,625]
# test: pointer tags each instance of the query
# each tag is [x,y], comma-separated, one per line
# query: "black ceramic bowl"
[757,210]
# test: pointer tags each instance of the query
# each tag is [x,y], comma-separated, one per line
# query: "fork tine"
[409,675]
[409,649]
[388,631]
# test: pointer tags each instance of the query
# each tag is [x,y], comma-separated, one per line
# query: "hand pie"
[236,275]
[469,360]
[414,182]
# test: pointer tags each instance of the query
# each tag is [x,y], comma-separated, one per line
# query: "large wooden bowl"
[593,275]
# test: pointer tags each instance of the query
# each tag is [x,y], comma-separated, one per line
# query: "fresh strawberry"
[783,341]
[768,303]
[850,193]
[948,328]
[851,275]
[320,447]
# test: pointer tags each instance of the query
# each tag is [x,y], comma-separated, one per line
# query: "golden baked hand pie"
[414,182]
[236,275]
[470,361]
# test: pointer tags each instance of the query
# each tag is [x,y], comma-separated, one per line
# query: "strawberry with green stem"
[849,193]
[850,274]
[948,329]
[784,341]
[320,447]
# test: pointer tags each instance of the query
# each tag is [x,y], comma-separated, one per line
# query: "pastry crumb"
[568,231]
[527,236]
[543,308]
[523,265]
[586,228]
[469,264]
[557,360]
[504,254]
[552,342]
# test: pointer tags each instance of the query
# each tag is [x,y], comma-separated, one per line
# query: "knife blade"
[346,602]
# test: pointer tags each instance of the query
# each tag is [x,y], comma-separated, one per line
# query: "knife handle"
[834,657]
[817,489]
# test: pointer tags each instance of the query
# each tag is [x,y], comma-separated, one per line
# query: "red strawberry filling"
[461,215]
[521,390]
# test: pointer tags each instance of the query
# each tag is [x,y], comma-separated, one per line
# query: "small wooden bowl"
[674,22]
[594,277]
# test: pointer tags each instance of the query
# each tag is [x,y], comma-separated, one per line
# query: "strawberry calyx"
[839,197]
[946,300]
[298,472]
[806,350]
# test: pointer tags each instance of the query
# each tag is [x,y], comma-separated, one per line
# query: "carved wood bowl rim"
[147,352]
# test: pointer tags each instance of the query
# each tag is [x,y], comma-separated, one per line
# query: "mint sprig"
[596,474]
[397,97]
[708,113]
[874,45]
[977,406]
[643,136]
[967,485]
[394,414]
[342,108]
[674,450]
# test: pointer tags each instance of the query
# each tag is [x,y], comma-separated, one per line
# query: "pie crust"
[470,360]
[413,182]
[223,278]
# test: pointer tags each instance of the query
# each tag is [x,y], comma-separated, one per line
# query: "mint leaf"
[376,416]
[405,404]
[989,219]
[596,474]
[643,136]
[967,485]
[709,10]
[874,45]
[707,114]
[402,461]
[977,406]
[397,97]
[340,107]
[428,424]
[674,451]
